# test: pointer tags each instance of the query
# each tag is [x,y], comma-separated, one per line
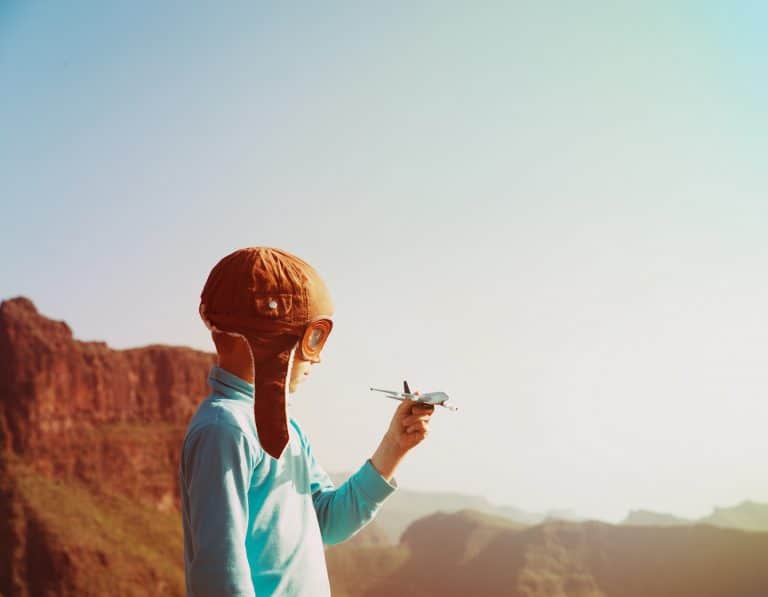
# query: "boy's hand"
[409,427]
[410,424]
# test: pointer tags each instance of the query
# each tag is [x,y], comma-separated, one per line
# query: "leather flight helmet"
[279,304]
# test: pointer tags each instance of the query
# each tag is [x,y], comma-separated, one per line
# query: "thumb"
[404,408]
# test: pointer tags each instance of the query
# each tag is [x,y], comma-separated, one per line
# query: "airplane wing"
[391,393]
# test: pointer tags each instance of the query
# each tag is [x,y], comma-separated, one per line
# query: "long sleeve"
[218,464]
[343,511]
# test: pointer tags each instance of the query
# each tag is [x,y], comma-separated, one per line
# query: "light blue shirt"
[254,525]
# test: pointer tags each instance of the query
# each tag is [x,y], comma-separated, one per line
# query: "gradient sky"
[555,212]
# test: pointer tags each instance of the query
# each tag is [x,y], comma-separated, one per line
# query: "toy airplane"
[438,398]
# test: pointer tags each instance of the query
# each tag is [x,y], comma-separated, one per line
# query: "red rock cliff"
[108,417]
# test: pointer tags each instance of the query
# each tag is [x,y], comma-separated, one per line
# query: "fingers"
[422,405]
[419,408]
[415,418]
[420,429]
[404,409]
[415,407]
[412,418]
[416,424]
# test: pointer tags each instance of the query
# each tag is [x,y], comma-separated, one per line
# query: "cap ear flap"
[271,382]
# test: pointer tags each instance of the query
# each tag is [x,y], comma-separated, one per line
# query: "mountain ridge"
[89,505]
[747,515]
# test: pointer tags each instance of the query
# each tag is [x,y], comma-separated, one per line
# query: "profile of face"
[314,338]
[299,372]
[307,351]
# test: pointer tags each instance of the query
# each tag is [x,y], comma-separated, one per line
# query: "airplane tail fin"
[406,389]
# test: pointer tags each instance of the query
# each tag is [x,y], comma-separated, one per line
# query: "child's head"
[271,312]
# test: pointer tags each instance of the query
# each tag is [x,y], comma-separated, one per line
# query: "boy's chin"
[293,385]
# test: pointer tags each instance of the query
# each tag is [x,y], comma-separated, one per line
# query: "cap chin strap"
[270,406]
[272,377]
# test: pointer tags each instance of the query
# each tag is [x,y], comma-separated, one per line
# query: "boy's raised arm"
[343,511]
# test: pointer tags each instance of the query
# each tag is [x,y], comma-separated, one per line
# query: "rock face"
[50,382]
[81,420]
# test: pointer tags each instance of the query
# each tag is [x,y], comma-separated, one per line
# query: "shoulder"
[239,418]
[220,433]
[213,413]
[303,440]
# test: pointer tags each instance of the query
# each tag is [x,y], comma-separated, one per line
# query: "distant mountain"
[569,515]
[653,519]
[405,506]
[747,516]
[469,553]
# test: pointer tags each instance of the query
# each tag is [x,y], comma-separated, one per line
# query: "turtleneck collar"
[230,385]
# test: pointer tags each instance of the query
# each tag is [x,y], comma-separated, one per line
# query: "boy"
[256,506]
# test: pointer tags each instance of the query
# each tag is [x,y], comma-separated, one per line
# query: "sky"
[554,212]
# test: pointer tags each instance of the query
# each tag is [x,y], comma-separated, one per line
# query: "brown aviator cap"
[271,298]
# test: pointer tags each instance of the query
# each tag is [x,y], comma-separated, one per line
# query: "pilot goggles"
[315,335]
